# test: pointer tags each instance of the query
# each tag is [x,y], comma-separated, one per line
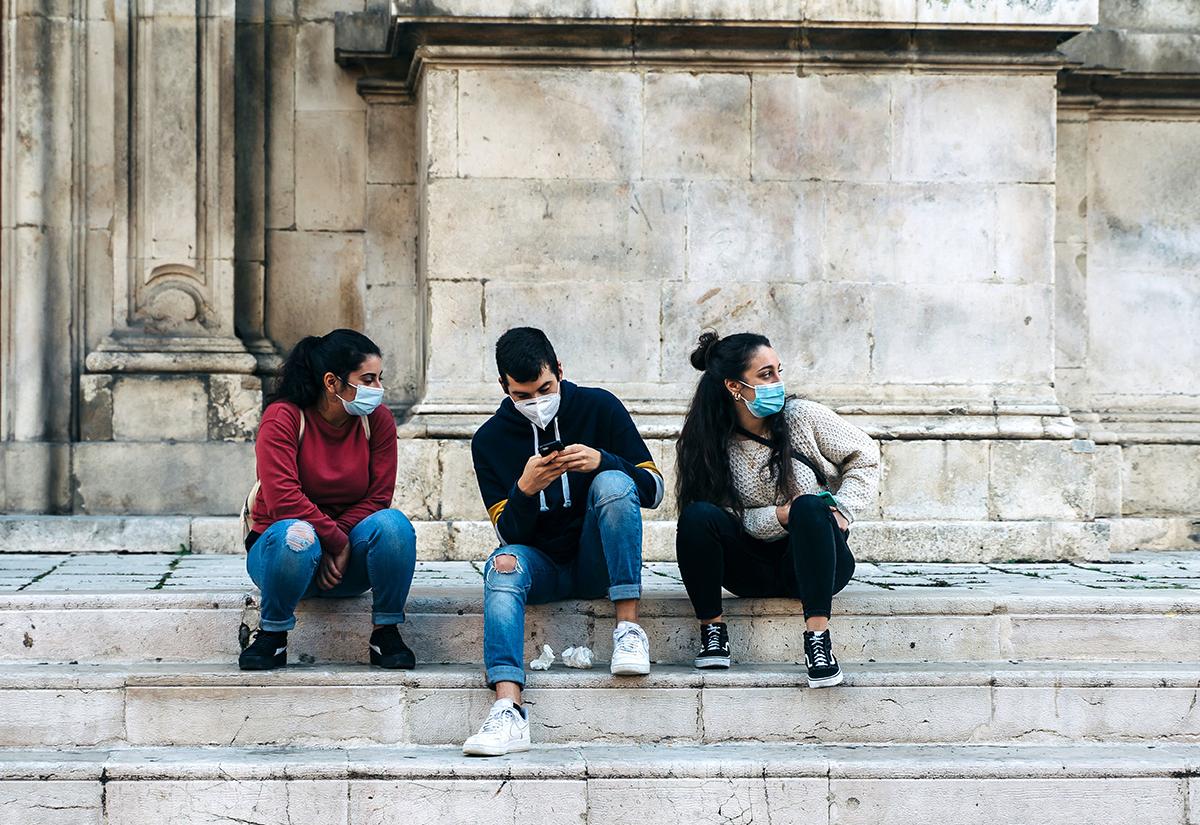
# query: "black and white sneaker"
[823,667]
[714,646]
[388,649]
[267,652]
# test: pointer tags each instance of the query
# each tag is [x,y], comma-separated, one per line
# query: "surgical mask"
[768,399]
[540,410]
[366,399]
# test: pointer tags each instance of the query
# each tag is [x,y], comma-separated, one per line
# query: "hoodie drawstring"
[542,506]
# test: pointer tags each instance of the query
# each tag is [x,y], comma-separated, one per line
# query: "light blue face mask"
[366,399]
[768,399]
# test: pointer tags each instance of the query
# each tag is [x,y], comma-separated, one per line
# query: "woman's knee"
[296,536]
[808,509]
[700,514]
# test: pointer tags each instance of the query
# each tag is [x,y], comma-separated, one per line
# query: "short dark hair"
[522,352]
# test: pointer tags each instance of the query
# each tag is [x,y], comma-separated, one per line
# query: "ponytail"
[302,377]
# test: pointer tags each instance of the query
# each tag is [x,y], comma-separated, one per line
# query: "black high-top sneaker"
[714,646]
[388,649]
[267,652]
[823,667]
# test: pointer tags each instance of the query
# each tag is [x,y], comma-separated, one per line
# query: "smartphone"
[550,447]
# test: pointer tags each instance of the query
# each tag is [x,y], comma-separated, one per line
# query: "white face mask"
[540,410]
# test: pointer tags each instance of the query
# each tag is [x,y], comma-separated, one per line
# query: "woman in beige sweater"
[768,486]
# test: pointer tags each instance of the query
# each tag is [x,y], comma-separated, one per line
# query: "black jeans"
[811,564]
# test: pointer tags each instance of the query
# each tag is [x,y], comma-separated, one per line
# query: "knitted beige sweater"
[848,456]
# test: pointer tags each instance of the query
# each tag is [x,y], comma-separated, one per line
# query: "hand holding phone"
[550,447]
[540,472]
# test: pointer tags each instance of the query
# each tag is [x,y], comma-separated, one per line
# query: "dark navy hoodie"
[503,445]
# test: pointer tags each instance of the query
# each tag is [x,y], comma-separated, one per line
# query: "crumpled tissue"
[544,661]
[580,657]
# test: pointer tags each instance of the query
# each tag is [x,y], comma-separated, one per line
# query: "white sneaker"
[631,650]
[504,731]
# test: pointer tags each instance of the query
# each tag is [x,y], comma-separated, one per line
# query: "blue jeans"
[383,556]
[609,562]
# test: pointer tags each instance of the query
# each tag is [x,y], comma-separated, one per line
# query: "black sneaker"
[266,652]
[714,646]
[388,650]
[823,667]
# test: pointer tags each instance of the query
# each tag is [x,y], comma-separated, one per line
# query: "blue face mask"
[366,399]
[768,399]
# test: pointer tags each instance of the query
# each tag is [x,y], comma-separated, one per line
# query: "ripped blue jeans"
[609,563]
[283,562]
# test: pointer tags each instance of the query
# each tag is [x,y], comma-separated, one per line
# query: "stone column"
[172,368]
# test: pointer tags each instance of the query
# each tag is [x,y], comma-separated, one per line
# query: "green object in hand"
[828,498]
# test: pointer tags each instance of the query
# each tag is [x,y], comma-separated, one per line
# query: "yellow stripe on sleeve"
[652,467]
[495,510]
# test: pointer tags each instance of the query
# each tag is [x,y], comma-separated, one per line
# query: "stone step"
[137,609]
[347,706]
[470,540]
[609,784]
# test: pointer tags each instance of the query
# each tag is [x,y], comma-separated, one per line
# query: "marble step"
[348,706]
[91,609]
[473,540]
[786,784]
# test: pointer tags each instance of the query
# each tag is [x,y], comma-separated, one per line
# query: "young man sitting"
[564,475]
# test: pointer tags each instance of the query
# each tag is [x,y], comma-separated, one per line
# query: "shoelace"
[496,720]
[712,637]
[629,641]
[820,656]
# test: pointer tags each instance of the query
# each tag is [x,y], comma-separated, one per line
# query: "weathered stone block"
[826,337]
[459,488]
[1025,233]
[947,127]
[1070,305]
[35,477]
[833,127]
[697,126]
[391,224]
[281,128]
[437,125]
[456,330]
[96,407]
[198,803]
[298,306]
[549,123]
[1071,181]
[1160,479]
[158,408]
[1142,205]
[321,84]
[719,9]
[349,716]
[418,479]
[216,535]
[51,803]
[934,479]
[391,143]
[201,479]
[61,718]
[1154,534]
[234,407]
[1042,479]
[936,233]
[604,329]
[1009,801]
[331,170]
[984,12]
[326,9]
[972,333]
[555,229]
[1082,713]
[1107,466]
[713,800]
[1142,337]
[459,801]
[755,232]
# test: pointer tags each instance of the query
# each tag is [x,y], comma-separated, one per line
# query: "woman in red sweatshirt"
[322,523]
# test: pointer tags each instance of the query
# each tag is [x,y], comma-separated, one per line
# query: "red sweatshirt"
[336,480]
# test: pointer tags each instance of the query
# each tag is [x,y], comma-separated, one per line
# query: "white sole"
[496,750]
[710,662]
[829,681]
[631,669]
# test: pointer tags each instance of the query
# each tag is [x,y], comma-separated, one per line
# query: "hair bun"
[704,345]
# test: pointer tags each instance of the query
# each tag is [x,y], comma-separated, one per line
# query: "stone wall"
[983,252]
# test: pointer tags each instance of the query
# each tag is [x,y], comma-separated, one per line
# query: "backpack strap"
[796,454]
